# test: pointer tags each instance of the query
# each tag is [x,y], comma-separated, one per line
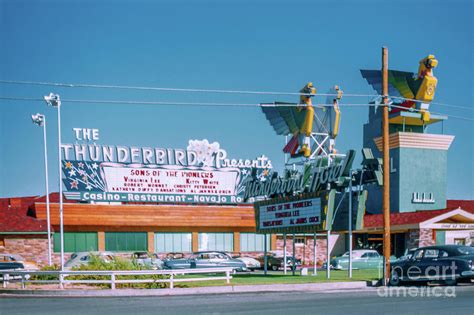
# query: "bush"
[96,263]
[47,277]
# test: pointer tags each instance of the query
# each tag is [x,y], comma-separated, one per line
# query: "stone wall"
[426,238]
[420,238]
[305,250]
[33,248]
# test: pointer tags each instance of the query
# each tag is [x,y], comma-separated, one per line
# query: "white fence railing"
[25,276]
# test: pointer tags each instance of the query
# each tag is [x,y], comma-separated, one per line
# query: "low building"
[21,232]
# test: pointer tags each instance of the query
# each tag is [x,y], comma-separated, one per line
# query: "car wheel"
[274,267]
[395,278]
[451,282]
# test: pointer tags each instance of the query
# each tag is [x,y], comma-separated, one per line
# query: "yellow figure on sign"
[417,89]
[304,121]
[307,91]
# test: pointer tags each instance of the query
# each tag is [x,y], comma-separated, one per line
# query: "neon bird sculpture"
[304,122]
[414,90]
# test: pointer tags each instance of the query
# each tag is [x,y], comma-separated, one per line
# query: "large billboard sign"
[201,173]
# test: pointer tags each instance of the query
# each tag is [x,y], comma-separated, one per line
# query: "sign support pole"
[315,245]
[386,166]
[328,256]
[293,265]
[285,265]
[265,258]
[349,234]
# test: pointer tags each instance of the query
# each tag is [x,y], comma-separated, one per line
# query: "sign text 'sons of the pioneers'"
[200,174]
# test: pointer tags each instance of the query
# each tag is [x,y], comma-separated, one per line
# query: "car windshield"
[466,250]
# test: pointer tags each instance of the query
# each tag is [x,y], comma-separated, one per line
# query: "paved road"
[361,302]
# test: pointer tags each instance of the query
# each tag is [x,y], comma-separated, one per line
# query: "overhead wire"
[132,102]
[167,89]
[433,103]
[172,103]
[194,90]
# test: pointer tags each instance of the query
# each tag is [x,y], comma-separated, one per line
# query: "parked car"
[250,263]
[10,259]
[275,261]
[175,255]
[447,263]
[148,260]
[6,263]
[208,259]
[83,258]
[361,259]
[407,255]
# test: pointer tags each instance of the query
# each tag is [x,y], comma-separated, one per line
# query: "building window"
[126,241]
[76,242]
[216,241]
[251,242]
[173,242]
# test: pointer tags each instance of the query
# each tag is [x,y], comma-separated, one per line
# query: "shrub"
[96,263]
[47,277]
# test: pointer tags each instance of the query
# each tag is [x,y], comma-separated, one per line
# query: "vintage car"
[361,259]
[275,261]
[208,259]
[250,263]
[448,264]
[175,255]
[407,255]
[83,258]
[7,264]
[7,260]
[147,260]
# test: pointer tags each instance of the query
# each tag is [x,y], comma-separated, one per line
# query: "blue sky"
[273,46]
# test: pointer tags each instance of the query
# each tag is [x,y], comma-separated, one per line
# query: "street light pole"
[350,225]
[55,101]
[40,120]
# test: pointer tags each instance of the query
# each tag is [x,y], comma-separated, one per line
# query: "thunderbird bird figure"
[304,121]
[414,91]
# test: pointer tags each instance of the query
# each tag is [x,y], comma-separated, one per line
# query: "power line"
[192,90]
[433,103]
[170,103]
[35,99]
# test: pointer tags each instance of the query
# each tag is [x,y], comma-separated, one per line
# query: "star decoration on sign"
[95,166]
[82,176]
[74,184]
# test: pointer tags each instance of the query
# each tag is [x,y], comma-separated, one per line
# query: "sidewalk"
[307,287]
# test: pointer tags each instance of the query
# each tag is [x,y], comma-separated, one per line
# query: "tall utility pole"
[386,166]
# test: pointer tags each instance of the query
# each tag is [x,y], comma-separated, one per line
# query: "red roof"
[376,220]
[15,217]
